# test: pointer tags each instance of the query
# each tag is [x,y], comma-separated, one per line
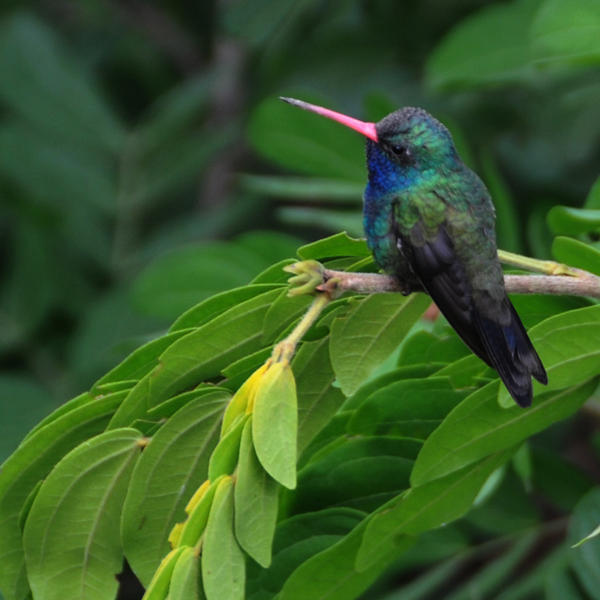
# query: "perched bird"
[429,221]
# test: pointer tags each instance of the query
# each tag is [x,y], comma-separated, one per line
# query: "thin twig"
[584,284]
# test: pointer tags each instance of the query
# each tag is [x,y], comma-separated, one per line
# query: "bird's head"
[404,146]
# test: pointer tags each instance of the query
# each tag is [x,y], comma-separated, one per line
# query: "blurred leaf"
[256,503]
[478,427]
[172,466]
[573,221]
[593,199]
[507,219]
[175,282]
[303,188]
[490,46]
[585,559]
[173,113]
[577,254]
[567,33]
[306,142]
[41,82]
[340,244]
[23,404]
[332,220]
[71,536]
[223,566]
[365,337]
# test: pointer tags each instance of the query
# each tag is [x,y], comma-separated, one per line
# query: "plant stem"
[284,350]
[577,283]
[547,267]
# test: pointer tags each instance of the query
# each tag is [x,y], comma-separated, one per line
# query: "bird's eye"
[400,151]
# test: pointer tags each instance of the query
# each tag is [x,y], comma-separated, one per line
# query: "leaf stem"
[284,350]
[547,267]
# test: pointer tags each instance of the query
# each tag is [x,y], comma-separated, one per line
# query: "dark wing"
[501,342]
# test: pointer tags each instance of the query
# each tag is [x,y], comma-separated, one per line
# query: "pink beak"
[367,129]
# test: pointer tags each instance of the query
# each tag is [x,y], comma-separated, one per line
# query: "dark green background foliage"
[146,165]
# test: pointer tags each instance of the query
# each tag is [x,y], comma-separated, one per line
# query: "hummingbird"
[430,222]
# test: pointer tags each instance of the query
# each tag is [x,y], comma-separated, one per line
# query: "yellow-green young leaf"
[185,580]
[195,524]
[224,457]
[275,423]
[256,503]
[241,399]
[364,338]
[223,566]
[159,586]
[71,537]
[426,507]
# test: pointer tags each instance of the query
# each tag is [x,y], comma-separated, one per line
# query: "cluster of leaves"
[394,442]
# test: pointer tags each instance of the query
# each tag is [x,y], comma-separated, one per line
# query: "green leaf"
[568,346]
[30,463]
[200,355]
[42,83]
[215,305]
[358,471]
[318,399]
[224,457]
[371,331]
[158,588]
[411,407]
[573,221]
[489,47]
[478,427]
[170,469]
[340,244]
[185,579]
[426,507]
[256,503]
[567,33]
[424,347]
[71,536]
[275,423]
[198,509]
[223,568]
[305,142]
[331,574]
[576,254]
[585,559]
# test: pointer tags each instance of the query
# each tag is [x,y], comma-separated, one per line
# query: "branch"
[581,284]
